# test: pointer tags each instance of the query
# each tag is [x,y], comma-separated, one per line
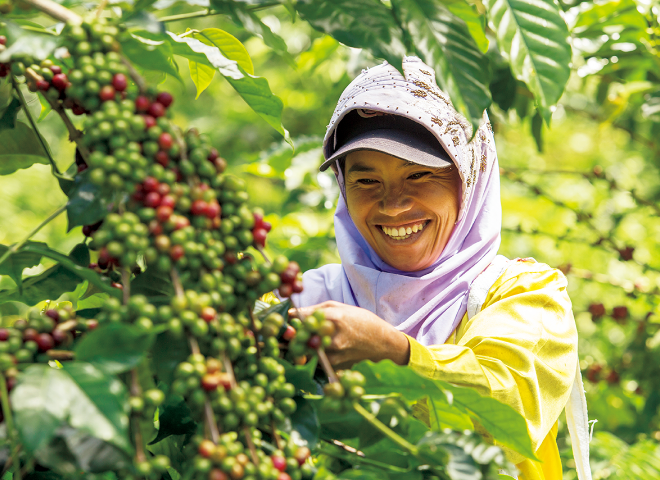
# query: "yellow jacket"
[521,349]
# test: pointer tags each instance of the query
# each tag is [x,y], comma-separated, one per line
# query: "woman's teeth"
[401,232]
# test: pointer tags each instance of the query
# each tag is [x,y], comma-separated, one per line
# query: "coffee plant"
[188,365]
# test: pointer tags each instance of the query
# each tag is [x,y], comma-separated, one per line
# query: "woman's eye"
[367,181]
[418,175]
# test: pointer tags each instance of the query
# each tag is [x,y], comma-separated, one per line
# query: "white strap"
[482,284]
[577,421]
[577,418]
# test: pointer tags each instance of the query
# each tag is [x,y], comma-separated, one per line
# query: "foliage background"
[581,195]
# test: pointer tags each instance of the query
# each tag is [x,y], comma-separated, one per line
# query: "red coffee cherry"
[142,104]
[120,82]
[165,99]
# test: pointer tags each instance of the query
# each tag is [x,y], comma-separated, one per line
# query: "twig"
[194,346]
[230,370]
[55,10]
[137,78]
[21,98]
[74,134]
[327,366]
[208,12]
[126,282]
[385,430]
[210,421]
[136,391]
[248,440]
[276,436]
[15,248]
[9,421]
[101,6]
[176,281]
[60,354]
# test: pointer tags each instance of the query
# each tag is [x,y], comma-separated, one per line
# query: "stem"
[55,10]
[74,134]
[194,346]
[230,370]
[327,366]
[396,438]
[135,76]
[208,12]
[276,436]
[136,391]
[21,98]
[126,282]
[9,419]
[60,354]
[248,440]
[176,281]
[210,421]
[15,248]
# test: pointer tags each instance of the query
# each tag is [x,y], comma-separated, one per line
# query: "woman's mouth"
[404,231]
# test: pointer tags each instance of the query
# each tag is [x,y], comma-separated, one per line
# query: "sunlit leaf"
[534,38]
[254,90]
[365,24]
[79,395]
[202,76]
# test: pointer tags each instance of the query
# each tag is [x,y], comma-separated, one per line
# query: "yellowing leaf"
[229,45]
[202,76]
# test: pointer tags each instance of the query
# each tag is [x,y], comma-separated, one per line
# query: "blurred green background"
[581,195]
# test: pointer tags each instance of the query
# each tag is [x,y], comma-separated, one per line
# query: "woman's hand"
[359,335]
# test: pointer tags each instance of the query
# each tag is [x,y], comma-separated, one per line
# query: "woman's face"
[405,211]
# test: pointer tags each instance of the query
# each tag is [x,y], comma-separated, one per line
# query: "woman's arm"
[360,335]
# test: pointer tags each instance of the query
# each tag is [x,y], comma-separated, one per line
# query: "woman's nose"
[395,200]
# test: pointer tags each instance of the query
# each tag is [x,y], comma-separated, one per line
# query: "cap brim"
[397,143]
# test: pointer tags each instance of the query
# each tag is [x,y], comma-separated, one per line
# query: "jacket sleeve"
[520,349]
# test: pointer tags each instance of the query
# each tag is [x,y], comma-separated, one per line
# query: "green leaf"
[202,76]
[48,285]
[506,425]
[305,423]
[229,45]
[175,418]
[78,395]
[8,118]
[301,376]
[168,352]
[367,24]
[150,54]
[151,283]
[28,43]
[534,37]
[443,41]
[19,261]
[475,22]
[254,90]
[115,348]
[253,24]
[21,148]
[88,203]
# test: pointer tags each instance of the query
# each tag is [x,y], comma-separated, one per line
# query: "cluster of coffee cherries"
[339,396]
[137,311]
[99,74]
[257,401]
[41,332]
[308,335]
[121,238]
[229,460]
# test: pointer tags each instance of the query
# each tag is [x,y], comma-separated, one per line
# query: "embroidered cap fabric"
[427,304]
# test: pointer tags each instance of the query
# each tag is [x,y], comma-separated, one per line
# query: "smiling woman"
[418,228]
[405,211]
